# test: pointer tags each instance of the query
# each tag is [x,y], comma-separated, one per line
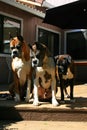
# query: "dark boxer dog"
[45,75]
[65,73]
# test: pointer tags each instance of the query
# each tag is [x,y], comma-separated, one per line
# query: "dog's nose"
[60,69]
[35,62]
[15,52]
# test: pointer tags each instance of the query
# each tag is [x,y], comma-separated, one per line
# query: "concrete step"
[76,111]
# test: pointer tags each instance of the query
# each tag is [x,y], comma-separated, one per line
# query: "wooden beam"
[29,2]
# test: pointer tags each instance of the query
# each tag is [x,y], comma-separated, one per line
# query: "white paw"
[67,96]
[36,103]
[55,102]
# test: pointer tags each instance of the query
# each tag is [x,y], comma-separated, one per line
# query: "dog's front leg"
[36,101]
[28,90]
[54,101]
[71,90]
[16,88]
[62,90]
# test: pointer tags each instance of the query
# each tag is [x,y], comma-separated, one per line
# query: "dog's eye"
[12,48]
[18,47]
[32,57]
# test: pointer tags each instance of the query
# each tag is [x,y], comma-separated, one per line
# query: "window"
[76,44]
[9,27]
[50,39]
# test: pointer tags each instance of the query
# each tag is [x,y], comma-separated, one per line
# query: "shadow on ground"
[80,102]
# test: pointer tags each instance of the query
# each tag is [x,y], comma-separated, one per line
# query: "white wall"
[54,3]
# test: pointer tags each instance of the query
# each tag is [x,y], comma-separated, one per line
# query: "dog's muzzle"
[62,70]
[35,62]
[14,53]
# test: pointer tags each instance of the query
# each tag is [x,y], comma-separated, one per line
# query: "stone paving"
[42,125]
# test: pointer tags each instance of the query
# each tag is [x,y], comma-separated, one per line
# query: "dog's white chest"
[40,69]
[18,63]
[69,75]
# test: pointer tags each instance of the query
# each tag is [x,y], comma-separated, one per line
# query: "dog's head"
[39,55]
[19,48]
[63,62]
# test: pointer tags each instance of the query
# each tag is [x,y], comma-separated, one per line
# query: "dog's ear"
[56,57]
[20,38]
[25,48]
[26,51]
[44,48]
[30,46]
[39,45]
[69,58]
[49,54]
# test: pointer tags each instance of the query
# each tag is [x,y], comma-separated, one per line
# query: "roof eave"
[24,7]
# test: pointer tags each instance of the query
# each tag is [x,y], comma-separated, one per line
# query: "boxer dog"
[65,73]
[44,76]
[21,66]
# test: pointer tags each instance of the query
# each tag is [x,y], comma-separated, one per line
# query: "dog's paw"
[55,102]
[36,103]
[17,98]
[67,96]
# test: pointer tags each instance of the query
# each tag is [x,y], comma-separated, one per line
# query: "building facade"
[20,19]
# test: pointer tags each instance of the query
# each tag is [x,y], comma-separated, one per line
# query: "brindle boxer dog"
[21,66]
[65,73]
[44,67]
